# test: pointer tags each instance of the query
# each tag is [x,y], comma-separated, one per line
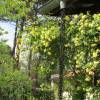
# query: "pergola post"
[61,50]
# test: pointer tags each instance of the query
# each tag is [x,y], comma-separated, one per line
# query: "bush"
[40,94]
[15,86]
[79,95]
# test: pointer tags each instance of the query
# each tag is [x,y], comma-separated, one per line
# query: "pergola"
[52,7]
[63,8]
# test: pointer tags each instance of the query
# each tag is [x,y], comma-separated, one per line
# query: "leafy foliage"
[6,59]
[39,37]
[15,85]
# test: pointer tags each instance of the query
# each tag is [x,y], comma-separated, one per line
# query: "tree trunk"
[30,60]
[15,40]
[19,36]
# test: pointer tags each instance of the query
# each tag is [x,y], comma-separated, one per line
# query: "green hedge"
[40,94]
[15,86]
[79,95]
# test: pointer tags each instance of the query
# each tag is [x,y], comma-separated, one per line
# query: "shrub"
[15,86]
[41,94]
[79,95]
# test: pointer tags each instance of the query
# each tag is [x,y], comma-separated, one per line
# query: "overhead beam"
[50,5]
[72,7]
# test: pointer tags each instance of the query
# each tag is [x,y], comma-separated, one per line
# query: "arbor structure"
[51,7]
[74,52]
[67,7]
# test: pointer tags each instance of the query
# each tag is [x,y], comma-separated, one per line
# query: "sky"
[10,28]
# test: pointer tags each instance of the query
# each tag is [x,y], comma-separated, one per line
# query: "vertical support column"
[61,57]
